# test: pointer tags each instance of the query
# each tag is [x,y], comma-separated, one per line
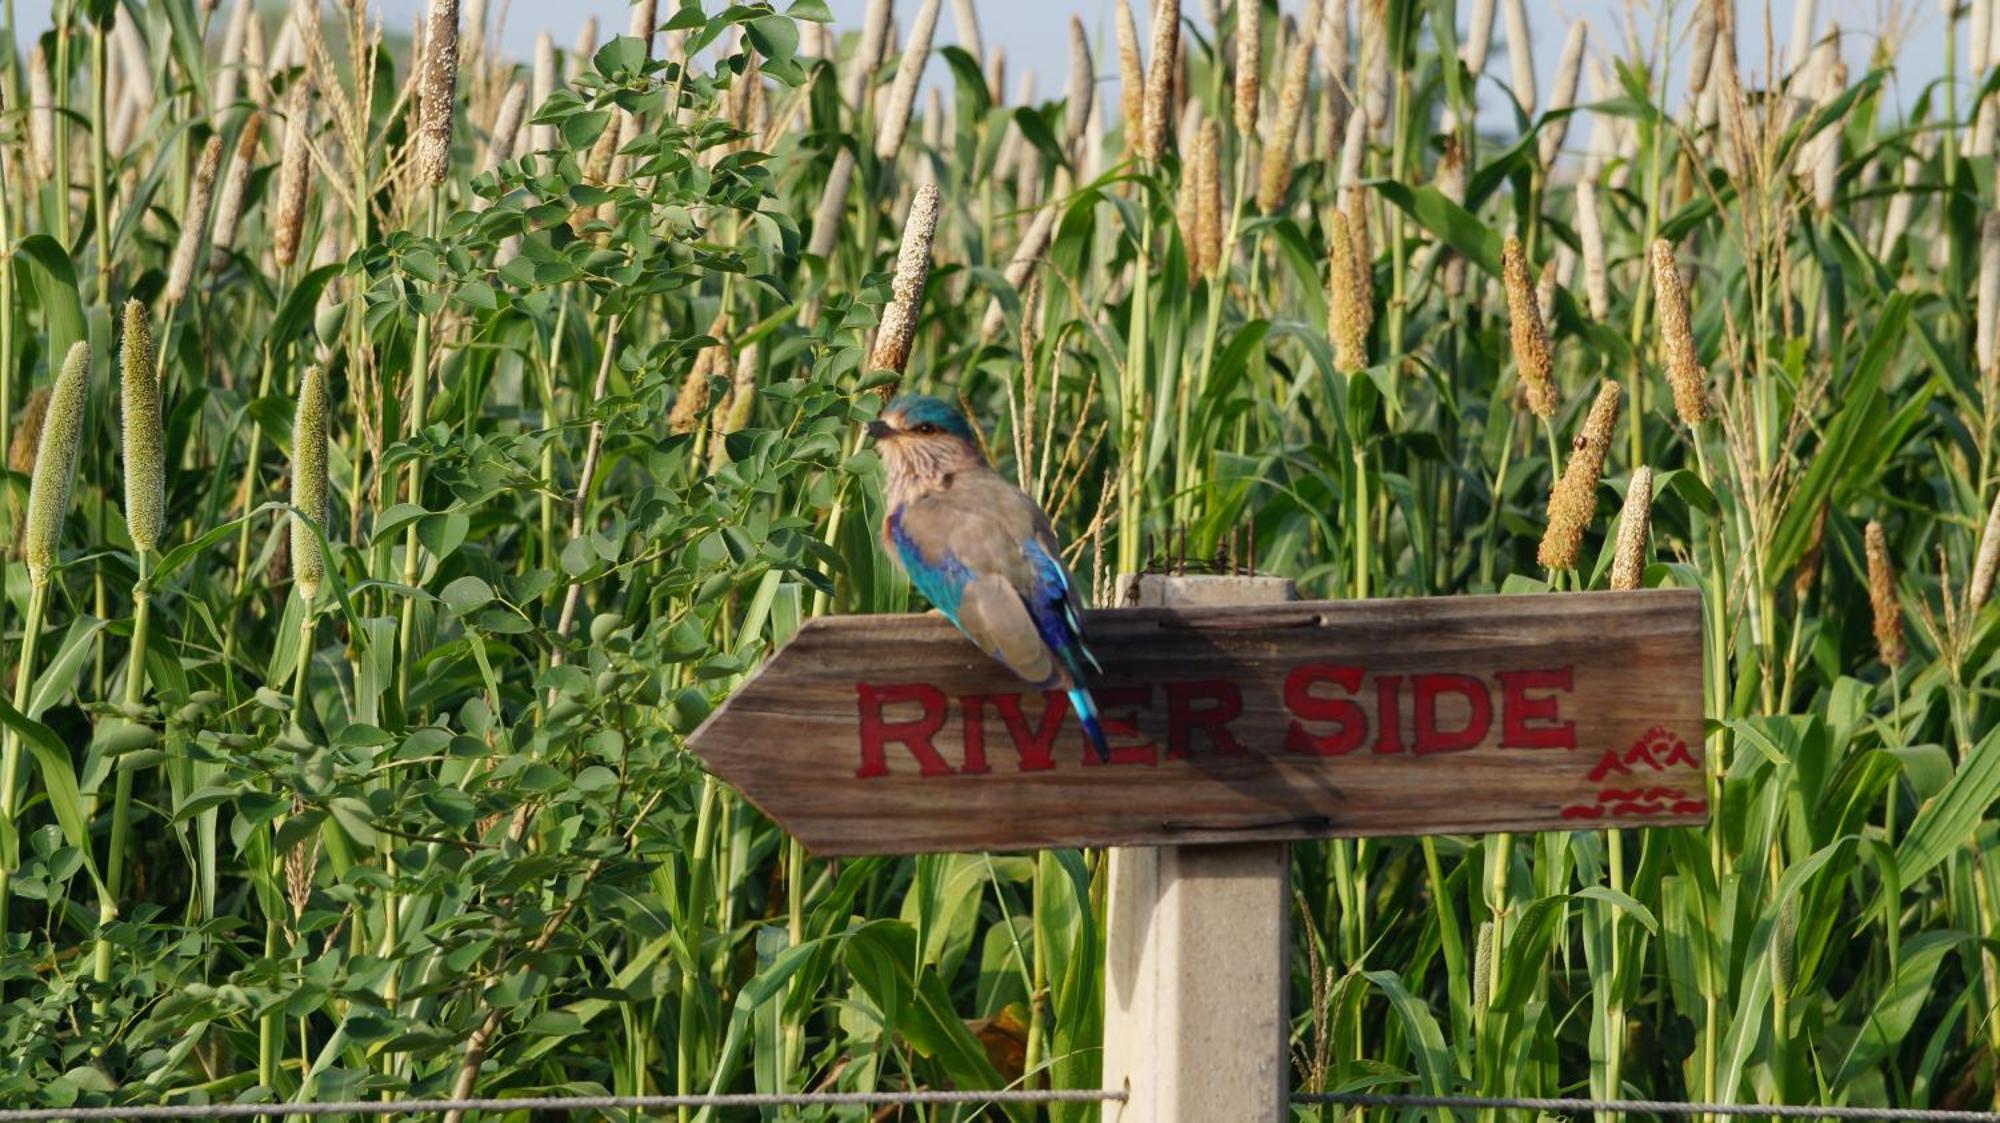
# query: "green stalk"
[100,156]
[420,385]
[10,755]
[1131,426]
[61,78]
[121,806]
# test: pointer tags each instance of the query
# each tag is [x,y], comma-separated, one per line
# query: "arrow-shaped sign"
[894,734]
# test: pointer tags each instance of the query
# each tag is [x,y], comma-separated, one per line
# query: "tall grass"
[503,433]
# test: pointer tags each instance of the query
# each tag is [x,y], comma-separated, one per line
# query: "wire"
[1650,1107]
[551,1103]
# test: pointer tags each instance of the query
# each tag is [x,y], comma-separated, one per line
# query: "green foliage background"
[438,829]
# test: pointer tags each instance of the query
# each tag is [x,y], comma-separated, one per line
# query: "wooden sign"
[894,734]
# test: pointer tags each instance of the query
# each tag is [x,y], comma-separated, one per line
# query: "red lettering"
[1036,746]
[915,734]
[971,717]
[1429,688]
[1389,713]
[1517,710]
[1118,715]
[1224,704]
[1351,724]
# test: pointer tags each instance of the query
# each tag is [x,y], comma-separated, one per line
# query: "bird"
[982,552]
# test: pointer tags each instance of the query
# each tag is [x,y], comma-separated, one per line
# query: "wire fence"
[1675,1109]
[554,1103]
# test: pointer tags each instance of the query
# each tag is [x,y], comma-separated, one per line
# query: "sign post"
[1238,720]
[1196,947]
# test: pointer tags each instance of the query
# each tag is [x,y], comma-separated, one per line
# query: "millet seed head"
[1573,503]
[309,491]
[1684,371]
[55,463]
[1628,565]
[139,407]
[1524,326]
[1886,610]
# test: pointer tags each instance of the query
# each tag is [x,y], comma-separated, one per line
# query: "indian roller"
[982,552]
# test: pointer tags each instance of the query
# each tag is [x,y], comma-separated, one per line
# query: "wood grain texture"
[793,738]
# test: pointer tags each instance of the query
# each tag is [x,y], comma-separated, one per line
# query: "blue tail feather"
[1086,711]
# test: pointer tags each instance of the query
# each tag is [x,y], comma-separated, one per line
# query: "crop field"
[410,444]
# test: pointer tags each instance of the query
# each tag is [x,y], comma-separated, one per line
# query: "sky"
[1035,34]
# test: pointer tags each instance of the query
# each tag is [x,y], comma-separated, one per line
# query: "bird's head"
[923,439]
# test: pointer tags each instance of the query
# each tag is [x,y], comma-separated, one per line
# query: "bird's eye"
[927,428]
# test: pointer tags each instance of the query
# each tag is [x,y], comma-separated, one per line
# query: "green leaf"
[55,288]
[58,775]
[467,594]
[1947,823]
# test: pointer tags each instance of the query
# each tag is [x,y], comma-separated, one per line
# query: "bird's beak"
[879,429]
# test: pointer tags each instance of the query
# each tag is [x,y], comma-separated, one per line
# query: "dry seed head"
[309,481]
[1375,77]
[1702,51]
[642,23]
[1157,113]
[1897,221]
[541,138]
[996,76]
[1573,503]
[1684,373]
[1521,55]
[1355,203]
[294,177]
[21,453]
[692,401]
[1082,85]
[139,406]
[55,463]
[1185,206]
[1986,564]
[1131,75]
[832,205]
[895,122]
[1275,175]
[1208,197]
[41,114]
[1524,325]
[28,433]
[229,64]
[235,187]
[500,145]
[1478,37]
[913,268]
[1249,64]
[436,92]
[1344,315]
[194,222]
[742,394]
[868,51]
[1825,148]
[132,59]
[1563,94]
[1590,231]
[585,48]
[965,17]
[1022,263]
[1888,614]
[1628,565]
